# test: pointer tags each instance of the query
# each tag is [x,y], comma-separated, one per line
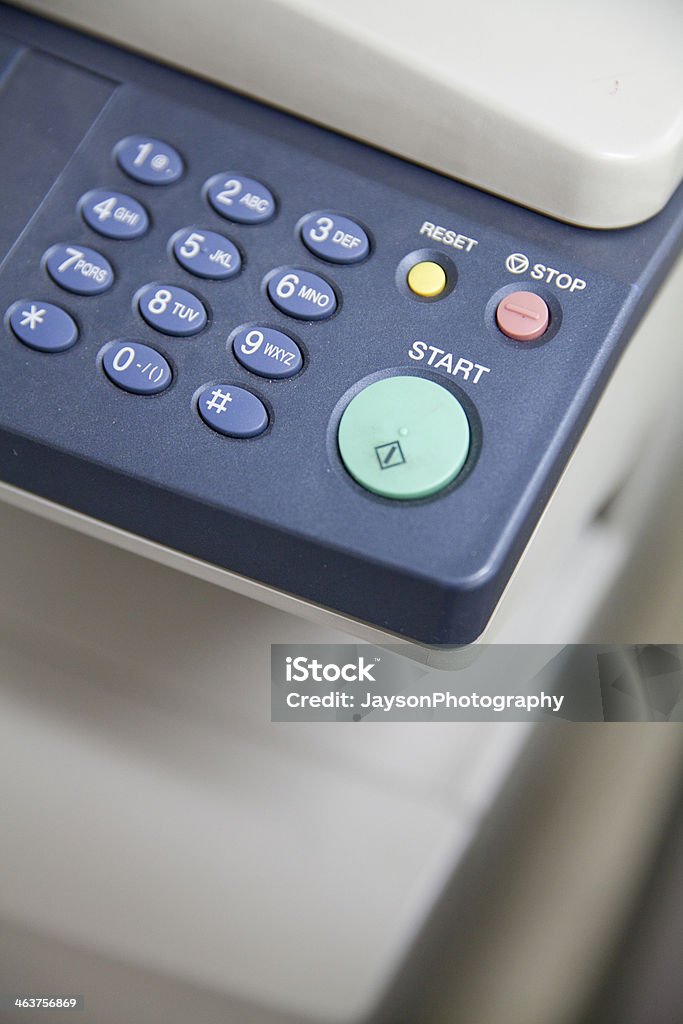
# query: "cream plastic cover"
[573,109]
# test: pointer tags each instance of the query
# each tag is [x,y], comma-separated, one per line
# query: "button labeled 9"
[267,352]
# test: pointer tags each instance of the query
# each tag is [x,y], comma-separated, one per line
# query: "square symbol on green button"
[390,454]
[410,426]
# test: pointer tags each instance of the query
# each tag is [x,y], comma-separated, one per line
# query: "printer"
[329,323]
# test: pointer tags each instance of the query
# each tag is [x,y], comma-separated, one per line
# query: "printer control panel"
[295,357]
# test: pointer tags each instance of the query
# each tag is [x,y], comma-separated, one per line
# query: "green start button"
[404,437]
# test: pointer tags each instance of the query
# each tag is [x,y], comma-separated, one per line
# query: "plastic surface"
[575,111]
[280,508]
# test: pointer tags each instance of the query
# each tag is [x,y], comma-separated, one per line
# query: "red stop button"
[523,316]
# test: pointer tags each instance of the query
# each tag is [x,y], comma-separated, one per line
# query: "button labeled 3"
[335,238]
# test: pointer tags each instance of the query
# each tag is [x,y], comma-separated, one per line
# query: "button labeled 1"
[136,368]
[239,198]
[149,160]
[172,310]
[300,294]
[334,238]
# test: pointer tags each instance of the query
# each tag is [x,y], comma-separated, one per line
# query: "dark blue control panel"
[323,368]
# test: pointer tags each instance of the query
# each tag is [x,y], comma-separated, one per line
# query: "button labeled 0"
[136,368]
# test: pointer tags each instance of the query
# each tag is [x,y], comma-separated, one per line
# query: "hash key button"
[79,269]
[172,310]
[232,411]
[301,294]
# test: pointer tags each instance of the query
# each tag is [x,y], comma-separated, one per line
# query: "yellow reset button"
[427,279]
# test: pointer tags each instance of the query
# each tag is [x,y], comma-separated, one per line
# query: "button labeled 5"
[206,254]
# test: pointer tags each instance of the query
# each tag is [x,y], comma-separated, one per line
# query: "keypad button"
[241,199]
[404,437]
[43,326]
[335,238]
[301,294]
[79,269]
[267,352]
[149,160]
[232,410]
[114,214]
[135,367]
[206,253]
[523,316]
[172,310]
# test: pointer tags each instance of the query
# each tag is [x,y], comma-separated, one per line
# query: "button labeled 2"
[136,368]
[172,310]
[301,294]
[335,238]
[239,198]
[267,352]
[80,270]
